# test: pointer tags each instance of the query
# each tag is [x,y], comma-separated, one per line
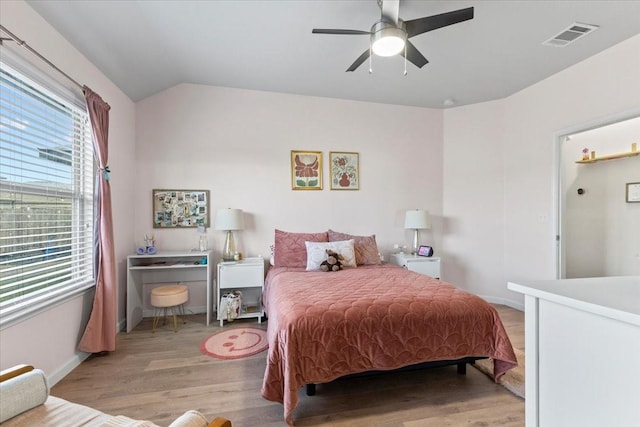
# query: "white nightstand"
[429,266]
[246,276]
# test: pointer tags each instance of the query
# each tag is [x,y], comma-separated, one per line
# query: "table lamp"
[229,220]
[417,220]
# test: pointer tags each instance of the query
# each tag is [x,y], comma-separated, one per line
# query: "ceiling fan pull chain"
[405,59]
[370,67]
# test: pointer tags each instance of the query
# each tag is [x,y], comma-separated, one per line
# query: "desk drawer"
[240,276]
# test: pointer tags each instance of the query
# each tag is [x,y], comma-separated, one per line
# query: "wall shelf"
[632,153]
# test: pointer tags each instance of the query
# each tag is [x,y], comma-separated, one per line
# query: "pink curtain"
[100,334]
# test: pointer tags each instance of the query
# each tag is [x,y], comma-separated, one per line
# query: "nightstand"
[246,276]
[429,266]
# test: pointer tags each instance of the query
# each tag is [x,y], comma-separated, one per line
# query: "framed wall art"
[306,170]
[180,208]
[633,192]
[344,169]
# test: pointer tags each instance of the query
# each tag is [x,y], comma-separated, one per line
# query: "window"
[46,193]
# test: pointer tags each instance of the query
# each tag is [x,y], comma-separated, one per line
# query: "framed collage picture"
[180,208]
[306,170]
[344,170]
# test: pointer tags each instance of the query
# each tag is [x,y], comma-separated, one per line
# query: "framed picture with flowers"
[306,170]
[344,169]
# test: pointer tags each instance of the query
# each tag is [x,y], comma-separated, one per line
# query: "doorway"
[598,230]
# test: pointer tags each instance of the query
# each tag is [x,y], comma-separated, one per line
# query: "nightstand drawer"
[240,276]
[428,268]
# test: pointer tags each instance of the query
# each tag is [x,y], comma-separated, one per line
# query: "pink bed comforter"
[326,325]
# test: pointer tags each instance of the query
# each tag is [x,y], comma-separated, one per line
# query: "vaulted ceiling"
[146,46]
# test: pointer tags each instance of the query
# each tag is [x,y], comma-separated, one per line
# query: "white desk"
[165,267]
[582,341]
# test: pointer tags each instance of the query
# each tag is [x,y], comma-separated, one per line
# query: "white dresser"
[429,266]
[582,341]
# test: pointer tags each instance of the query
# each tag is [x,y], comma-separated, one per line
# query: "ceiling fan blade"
[430,23]
[414,55]
[359,61]
[391,10]
[343,32]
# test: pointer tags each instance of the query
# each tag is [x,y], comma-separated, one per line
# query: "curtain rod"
[24,44]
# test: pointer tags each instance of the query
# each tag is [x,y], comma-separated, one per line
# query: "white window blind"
[46,195]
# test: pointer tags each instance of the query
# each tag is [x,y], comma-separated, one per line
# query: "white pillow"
[21,393]
[317,253]
[190,418]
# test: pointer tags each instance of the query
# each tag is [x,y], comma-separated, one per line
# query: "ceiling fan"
[390,35]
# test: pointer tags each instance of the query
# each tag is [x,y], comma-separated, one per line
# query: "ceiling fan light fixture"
[387,39]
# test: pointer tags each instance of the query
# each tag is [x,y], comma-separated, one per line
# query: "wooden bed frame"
[460,363]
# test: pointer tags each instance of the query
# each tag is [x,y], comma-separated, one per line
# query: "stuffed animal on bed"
[333,261]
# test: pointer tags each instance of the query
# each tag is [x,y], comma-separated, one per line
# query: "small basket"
[230,306]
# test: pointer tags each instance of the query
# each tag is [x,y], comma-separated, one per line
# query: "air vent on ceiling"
[570,34]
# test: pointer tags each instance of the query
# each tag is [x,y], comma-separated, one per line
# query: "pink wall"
[473,204]
[236,144]
[521,131]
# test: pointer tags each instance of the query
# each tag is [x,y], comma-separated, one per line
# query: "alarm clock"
[425,251]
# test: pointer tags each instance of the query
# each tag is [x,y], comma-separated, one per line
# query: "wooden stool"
[169,296]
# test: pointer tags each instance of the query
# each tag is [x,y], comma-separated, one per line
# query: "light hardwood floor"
[159,376]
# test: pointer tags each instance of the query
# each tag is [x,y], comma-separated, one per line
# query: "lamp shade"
[229,219]
[417,220]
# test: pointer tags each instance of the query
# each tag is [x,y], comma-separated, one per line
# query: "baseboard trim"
[503,301]
[66,369]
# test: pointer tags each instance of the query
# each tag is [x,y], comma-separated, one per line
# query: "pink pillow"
[366,247]
[290,250]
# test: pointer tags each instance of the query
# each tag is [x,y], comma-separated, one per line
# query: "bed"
[374,317]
